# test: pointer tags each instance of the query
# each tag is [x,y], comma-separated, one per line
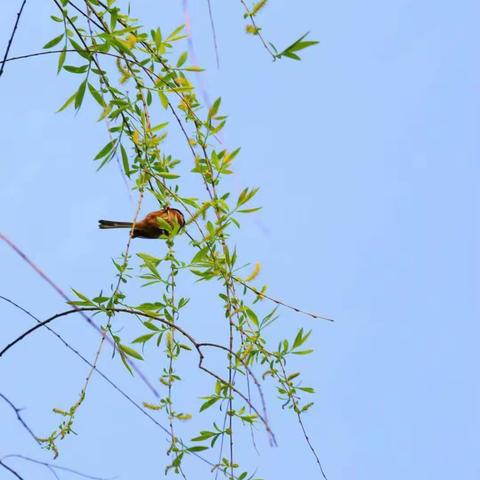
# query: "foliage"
[130,74]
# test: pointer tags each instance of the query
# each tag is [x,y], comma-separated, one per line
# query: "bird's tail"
[113,224]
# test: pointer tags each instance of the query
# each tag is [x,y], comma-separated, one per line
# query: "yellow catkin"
[251,29]
[131,41]
[151,406]
[254,274]
[257,7]
[136,137]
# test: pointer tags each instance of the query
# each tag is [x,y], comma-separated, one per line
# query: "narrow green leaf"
[130,351]
[209,403]
[169,175]
[126,166]
[74,69]
[105,150]
[143,338]
[61,60]
[67,103]
[307,389]
[214,108]
[54,41]
[163,99]
[80,94]
[197,448]
[96,95]
[182,59]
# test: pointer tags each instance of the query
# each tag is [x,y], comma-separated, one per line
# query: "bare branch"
[214,34]
[55,467]
[11,470]
[279,302]
[19,14]
[19,417]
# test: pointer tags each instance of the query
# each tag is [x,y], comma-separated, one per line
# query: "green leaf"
[73,69]
[61,60]
[182,59]
[80,50]
[307,389]
[209,403]
[200,255]
[168,175]
[214,108]
[67,103]
[151,326]
[249,210]
[54,41]
[204,435]
[251,315]
[126,166]
[298,339]
[296,46]
[197,448]
[96,95]
[143,338]
[105,150]
[80,94]
[130,351]
[163,99]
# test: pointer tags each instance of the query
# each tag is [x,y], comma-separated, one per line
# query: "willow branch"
[19,14]
[110,382]
[196,345]
[19,417]
[55,467]
[11,470]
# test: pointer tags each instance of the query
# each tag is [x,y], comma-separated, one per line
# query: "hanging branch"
[99,31]
[104,377]
[45,277]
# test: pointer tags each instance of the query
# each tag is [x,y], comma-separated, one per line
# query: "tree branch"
[11,470]
[19,14]
[19,417]
[197,346]
[45,277]
[110,382]
[56,467]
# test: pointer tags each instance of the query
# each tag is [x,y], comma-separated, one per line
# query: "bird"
[151,226]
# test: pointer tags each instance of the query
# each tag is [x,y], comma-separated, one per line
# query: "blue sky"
[366,153]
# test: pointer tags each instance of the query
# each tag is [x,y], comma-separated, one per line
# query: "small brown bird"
[151,225]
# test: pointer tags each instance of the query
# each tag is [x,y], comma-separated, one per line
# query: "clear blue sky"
[367,156]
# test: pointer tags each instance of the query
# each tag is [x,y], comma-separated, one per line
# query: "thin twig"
[300,421]
[11,470]
[57,467]
[195,343]
[193,54]
[107,379]
[214,34]
[19,417]
[257,30]
[279,302]
[43,275]
[19,14]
